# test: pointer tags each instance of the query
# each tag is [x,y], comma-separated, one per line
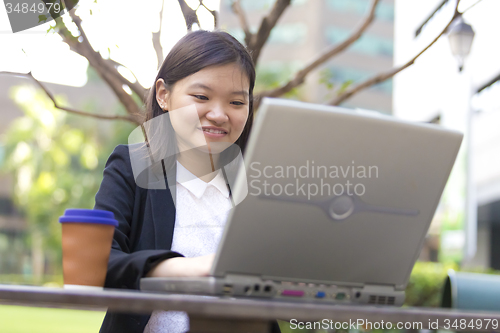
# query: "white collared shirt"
[201,213]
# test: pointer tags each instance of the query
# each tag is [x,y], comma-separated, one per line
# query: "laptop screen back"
[335,196]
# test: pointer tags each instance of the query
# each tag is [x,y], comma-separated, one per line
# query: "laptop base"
[255,287]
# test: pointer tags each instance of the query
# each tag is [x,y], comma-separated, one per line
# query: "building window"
[384,11]
[367,44]
[254,5]
[7,207]
[291,33]
[339,75]
[275,73]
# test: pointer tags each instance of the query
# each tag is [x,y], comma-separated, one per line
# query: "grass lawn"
[21,319]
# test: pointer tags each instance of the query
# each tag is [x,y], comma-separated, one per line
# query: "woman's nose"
[217,114]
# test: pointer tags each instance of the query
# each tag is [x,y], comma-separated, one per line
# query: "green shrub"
[427,281]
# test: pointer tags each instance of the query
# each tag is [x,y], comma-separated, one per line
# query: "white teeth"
[209,130]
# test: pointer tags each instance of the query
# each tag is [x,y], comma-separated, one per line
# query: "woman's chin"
[214,147]
[217,147]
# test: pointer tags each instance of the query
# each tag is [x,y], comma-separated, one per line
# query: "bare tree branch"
[156,39]
[426,21]
[107,72]
[213,12]
[328,54]
[260,38]
[387,75]
[238,10]
[471,6]
[189,15]
[67,109]
[135,86]
[111,64]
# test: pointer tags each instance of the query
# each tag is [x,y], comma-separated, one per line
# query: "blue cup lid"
[89,216]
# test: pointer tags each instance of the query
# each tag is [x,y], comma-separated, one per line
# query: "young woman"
[205,86]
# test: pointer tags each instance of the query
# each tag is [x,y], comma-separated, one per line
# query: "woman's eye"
[204,98]
[237,103]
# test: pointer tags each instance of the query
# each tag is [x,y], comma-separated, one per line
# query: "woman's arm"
[183,267]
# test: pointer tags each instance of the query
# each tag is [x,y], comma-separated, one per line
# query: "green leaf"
[345,85]
[51,28]
[43,18]
[325,76]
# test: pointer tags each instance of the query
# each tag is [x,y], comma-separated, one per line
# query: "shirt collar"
[197,186]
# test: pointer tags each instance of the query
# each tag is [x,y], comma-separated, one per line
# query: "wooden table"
[212,314]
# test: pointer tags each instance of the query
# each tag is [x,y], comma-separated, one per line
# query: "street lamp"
[461,37]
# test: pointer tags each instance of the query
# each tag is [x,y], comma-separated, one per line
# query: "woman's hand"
[183,267]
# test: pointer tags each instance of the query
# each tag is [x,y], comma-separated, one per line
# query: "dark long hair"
[196,51]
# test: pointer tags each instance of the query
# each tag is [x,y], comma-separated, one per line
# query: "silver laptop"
[339,202]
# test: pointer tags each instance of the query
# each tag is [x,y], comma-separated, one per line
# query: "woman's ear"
[162,94]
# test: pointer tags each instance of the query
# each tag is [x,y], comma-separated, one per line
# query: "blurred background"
[71,89]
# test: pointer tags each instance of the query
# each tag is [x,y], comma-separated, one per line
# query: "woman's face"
[209,107]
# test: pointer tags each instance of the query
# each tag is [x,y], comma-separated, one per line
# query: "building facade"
[308,28]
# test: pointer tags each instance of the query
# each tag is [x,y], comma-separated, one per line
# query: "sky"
[433,85]
[421,90]
[120,29]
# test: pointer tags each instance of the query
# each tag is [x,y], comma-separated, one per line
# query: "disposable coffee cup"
[87,235]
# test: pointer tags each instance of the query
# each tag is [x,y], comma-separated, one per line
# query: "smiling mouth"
[211,130]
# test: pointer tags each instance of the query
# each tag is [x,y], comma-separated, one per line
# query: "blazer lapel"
[163,211]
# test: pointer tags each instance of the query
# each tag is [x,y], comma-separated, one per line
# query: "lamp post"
[460,37]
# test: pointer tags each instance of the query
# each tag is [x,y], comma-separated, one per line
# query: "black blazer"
[143,237]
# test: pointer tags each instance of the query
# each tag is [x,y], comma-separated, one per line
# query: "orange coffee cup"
[87,235]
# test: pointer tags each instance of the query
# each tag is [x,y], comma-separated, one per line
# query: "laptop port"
[295,293]
[268,289]
[228,289]
[340,296]
[320,294]
[256,287]
[248,290]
